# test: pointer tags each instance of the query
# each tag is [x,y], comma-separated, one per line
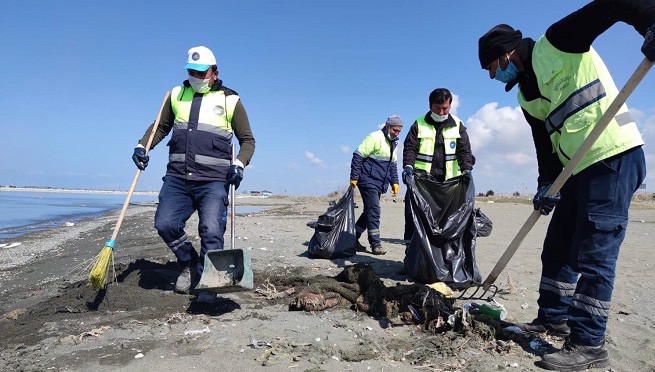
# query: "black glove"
[467,174]
[234,175]
[140,158]
[648,48]
[545,204]
[408,170]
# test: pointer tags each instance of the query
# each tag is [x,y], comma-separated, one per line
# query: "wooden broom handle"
[138,171]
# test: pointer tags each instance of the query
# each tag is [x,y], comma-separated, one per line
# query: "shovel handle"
[232,206]
[604,121]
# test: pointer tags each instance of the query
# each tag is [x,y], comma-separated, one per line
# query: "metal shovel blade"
[227,270]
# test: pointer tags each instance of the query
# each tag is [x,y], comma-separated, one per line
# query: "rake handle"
[603,122]
[138,171]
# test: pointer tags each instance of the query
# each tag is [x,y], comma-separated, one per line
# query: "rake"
[603,122]
[634,80]
[100,269]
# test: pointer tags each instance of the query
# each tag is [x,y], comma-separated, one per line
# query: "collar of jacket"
[450,122]
[526,77]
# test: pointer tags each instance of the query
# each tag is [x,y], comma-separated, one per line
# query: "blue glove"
[140,158]
[408,170]
[545,204]
[234,175]
[467,174]
[648,48]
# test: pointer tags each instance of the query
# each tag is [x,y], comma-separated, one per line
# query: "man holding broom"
[203,116]
[564,89]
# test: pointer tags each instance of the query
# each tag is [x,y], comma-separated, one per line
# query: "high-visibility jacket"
[577,89]
[374,163]
[427,135]
[200,146]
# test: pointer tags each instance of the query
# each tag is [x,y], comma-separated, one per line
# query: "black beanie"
[500,39]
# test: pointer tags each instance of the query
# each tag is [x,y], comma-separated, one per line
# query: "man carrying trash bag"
[438,144]
[372,169]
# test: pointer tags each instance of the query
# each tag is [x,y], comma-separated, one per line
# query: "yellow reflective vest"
[200,145]
[427,135]
[577,89]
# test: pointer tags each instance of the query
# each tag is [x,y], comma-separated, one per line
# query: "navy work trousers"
[370,217]
[178,200]
[582,245]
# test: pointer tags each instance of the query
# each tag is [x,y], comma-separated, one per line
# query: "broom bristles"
[100,269]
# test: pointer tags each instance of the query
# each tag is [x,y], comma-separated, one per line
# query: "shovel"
[604,121]
[227,270]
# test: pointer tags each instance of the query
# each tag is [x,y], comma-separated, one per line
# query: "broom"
[98,274]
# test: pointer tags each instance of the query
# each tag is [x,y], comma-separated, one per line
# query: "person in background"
[564,88]
[372,169]
[437,143]
[203,116]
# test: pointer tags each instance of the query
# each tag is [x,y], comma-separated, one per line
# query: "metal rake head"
[478,292]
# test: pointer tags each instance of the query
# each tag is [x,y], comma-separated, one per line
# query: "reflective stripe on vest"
[580,90]
[202,133]
[427,135]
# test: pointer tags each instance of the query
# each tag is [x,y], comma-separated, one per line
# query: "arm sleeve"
[576,32]
[241,127]
[165,126]
[356,166]
[410,146]
[464,154]
[393,170]
[547,161]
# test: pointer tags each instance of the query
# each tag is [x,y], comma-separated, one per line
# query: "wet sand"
[53,321]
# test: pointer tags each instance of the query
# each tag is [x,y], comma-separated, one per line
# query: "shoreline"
[75,191]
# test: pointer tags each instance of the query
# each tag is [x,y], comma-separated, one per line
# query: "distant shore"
[75,191]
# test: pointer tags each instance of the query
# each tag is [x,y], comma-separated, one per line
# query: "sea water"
[24,212]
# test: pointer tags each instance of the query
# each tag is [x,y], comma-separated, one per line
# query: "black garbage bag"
[334,232]
[442,248]
[483,224]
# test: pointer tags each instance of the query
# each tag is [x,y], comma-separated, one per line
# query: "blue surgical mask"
[510,73]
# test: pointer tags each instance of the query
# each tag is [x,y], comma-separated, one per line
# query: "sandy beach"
[52,321]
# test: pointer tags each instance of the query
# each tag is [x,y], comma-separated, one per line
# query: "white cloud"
[345,149]
[313,160]
[502,144]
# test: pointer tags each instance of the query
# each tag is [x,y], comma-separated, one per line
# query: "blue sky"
[80,82]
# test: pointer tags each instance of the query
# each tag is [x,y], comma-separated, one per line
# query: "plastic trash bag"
[442,248]
[334,232]
[483,224]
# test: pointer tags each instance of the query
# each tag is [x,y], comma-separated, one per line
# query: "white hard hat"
[200,59]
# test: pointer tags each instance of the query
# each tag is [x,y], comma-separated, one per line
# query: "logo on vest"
[219,110]
[195,56]
[452,144]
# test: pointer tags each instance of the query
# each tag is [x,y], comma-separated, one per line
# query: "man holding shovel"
[564,89]
[203,115]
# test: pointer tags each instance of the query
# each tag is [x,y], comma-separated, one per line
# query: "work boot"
[377,249]
[359,247]
[183,282]
[537,326]
[574,357]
